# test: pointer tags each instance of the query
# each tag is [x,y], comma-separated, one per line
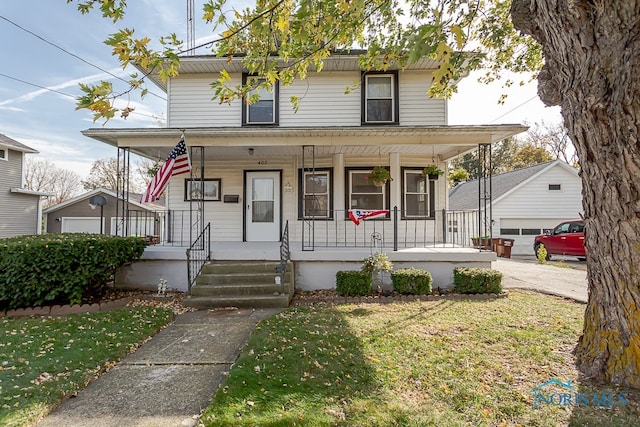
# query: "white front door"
[262,206]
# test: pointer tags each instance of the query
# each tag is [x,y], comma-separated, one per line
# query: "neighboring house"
[267,166]
[526,202]
[78,215]
[20,209]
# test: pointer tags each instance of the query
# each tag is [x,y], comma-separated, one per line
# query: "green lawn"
[444,363]
[42,360]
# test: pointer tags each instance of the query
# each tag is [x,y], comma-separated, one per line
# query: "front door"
[262,206]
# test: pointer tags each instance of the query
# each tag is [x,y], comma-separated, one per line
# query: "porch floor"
[270,251]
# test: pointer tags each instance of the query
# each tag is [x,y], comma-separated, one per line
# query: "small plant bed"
[331,297]
[43,360]
[459,363]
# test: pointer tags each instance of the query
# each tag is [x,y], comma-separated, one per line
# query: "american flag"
[177,163]
[357,215]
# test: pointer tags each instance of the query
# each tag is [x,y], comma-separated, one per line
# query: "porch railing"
[443,228]
[285,256]
[198,254]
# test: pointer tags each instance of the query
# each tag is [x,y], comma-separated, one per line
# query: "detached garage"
[84,214]
[526,202]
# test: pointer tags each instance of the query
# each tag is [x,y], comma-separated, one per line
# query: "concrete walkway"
[170,379]
[565,282]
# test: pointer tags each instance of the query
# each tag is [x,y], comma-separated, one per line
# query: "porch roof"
[446,142]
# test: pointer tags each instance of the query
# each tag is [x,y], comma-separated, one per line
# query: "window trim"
[431,189]
[5,154]
[395,102]
[329,172]
[275,106]
[347,192]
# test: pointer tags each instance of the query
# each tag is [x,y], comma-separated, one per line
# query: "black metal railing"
[285,256]
[443,228]
[198,254]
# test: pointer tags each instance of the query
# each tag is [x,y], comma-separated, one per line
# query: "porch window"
[315,194]
[265,110]
[418,194]
[363,194]
[380,103]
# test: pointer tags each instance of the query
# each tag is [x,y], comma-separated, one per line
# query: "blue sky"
[48,122]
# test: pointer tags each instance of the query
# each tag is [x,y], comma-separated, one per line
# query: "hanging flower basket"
[379,176]
[433,172]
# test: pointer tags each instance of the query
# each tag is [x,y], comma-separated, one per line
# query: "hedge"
[477,281]
[61,268]
[352,283]
[413,281]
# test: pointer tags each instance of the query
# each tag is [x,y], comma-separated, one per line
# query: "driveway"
[527,274]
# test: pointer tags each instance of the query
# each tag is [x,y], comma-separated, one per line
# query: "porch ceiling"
[446,142]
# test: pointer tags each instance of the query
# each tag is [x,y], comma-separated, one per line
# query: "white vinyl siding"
[416,108]
[322,101]
[191,103]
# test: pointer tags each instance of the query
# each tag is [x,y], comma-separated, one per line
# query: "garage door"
[523,231]
[80,225]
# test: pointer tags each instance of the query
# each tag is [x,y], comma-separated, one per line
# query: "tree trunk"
[592,70]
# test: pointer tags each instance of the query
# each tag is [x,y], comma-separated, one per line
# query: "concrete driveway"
[547,278]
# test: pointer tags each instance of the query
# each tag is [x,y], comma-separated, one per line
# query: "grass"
[443,363]
[43,360]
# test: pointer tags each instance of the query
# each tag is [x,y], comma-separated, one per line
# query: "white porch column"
[338,182]
[396,190]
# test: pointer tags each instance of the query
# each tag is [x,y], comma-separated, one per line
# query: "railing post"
[395,228]
[444,226]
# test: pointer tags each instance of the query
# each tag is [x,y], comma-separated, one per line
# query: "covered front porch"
[311,270]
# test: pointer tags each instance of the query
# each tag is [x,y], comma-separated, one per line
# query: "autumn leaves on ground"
[445,363]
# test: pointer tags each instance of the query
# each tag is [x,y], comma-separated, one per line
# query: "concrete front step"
[211,290]
[226,267]
[240,284]
[249,301]
[241,278]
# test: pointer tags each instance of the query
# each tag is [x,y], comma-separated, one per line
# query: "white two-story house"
[267,169]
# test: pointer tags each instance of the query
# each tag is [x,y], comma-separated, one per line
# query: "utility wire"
[62,93]
[36,85]
[514,108]
[74,55]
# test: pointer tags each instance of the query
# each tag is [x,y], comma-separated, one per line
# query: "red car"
[566,239]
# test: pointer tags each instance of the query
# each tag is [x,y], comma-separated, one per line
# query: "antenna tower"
[191,28]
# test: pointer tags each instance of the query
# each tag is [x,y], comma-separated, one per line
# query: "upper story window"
[315,194]
[380,98]
[265,110]
[3,154]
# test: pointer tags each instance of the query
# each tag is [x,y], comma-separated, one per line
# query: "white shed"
[527,201]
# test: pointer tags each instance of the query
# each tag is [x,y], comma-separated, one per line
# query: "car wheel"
[582,258]
[535,249]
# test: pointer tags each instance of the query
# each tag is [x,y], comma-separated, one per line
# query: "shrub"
[542,254]
[415,281]
[353,282]
[477,280]
[376,263]
[61,268]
